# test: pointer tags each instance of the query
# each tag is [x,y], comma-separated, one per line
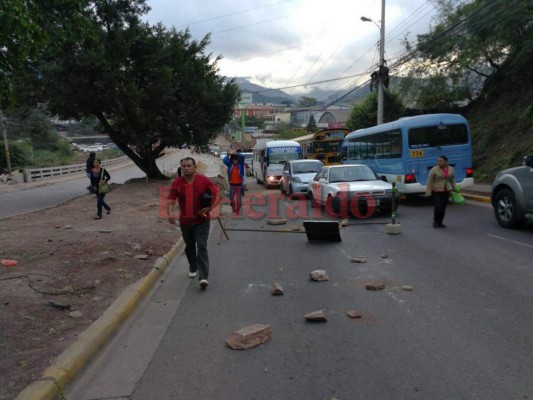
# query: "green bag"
[456,197]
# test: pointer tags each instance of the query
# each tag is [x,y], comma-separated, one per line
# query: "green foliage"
[253,120]
[18,156]
[364,115]
[311,125]
[307,101]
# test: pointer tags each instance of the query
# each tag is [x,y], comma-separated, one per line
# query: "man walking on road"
[196,196]
[236,175]
[88,168]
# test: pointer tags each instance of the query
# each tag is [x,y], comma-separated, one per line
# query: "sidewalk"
[478,192]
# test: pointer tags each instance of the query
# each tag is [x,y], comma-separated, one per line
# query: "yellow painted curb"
[39,390]
[483,199]
[78,354]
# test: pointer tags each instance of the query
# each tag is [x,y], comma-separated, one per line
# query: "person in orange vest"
[236,175]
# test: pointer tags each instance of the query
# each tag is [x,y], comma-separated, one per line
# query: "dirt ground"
[70,269]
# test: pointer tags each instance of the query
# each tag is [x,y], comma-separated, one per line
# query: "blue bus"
[405,150]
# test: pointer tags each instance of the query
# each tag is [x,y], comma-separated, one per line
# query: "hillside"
[501,120]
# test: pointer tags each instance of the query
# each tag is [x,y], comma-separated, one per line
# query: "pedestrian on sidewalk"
[236,175]
[196,196]
[98,175]
[441,182]
[89,164]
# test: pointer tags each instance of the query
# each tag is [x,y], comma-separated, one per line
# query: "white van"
[269,158]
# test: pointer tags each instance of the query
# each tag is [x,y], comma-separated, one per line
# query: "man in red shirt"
[192,190]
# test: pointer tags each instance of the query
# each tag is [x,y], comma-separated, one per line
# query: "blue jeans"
[195,238]
[101,203]
[235,197]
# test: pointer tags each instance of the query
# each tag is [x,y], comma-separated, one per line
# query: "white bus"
[269,158]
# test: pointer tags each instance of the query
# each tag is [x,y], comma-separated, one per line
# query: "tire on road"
[506,209]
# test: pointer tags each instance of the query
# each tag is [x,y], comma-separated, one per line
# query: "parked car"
[337,182]
[297,174]
[512,195]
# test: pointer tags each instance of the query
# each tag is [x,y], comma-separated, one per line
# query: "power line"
[247,26]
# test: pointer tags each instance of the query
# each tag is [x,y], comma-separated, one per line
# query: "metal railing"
[33,174]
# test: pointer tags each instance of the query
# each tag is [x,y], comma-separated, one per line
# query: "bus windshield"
[437,136]
[327,146]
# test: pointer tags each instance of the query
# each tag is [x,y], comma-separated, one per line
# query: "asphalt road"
[464,332]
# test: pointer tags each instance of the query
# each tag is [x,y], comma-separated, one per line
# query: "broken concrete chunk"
[68,227]
[375,286]
[75,314]
[407,288]
[344,223]
[358,260]
[249,337]
[316,316]
[353,314]
[276,221]
[141,257]
[277,290]
[319,275]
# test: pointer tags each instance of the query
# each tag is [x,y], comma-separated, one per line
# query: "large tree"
[466,49]
[150,87]
[364,115]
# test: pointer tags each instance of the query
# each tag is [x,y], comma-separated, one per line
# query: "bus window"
[436,136]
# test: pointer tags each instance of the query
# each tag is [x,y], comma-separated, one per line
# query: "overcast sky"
[280,43]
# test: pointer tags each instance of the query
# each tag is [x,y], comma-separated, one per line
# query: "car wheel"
[506,209]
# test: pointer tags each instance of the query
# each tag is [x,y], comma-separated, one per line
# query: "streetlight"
[381,59]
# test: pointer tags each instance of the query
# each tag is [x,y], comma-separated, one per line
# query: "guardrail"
[33,174]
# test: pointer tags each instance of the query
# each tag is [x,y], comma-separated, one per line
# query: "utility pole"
[381,63]
[6,144]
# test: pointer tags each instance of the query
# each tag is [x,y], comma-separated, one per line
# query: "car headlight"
[296,179]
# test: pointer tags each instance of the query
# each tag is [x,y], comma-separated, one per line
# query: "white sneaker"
[192,274]
[203,283]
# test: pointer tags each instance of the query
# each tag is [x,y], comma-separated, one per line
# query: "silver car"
[297,174]
[512,195]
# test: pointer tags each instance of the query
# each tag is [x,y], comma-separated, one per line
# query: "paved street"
[464,332]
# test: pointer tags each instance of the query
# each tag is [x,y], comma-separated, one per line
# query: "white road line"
[510,241]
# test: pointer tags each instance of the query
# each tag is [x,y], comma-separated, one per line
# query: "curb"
[75,357]
[474,197]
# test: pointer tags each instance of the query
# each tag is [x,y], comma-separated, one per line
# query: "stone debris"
[58,226]
[105,230]
[68,227]
[375,286]
[344,223]
[150,252]
[249,337]
[319,275]
[141,257]
[358,260]
[407,288]
[316,316]
[277,290]
[384,256]
[295,229]
[276,221]
[75,314]
[353,314]
[59,306]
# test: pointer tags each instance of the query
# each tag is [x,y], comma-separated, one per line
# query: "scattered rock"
[105,230]
[276,221]
[68,227]
[58,226]
[150,252]
[358,260]
[135,246]
[407,288]
[249,337]
[319,275]
[141,257]
[384,256]
[9,263]
[75,314]
[316,316]
[50,240]
[277,290]
[344,223]
[59,306]
[375,286]
[353,314]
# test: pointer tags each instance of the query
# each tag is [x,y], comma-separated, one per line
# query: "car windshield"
[351,174]
[306,167]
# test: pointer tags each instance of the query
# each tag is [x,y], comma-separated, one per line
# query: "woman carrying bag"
[99,179]
[441,182]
